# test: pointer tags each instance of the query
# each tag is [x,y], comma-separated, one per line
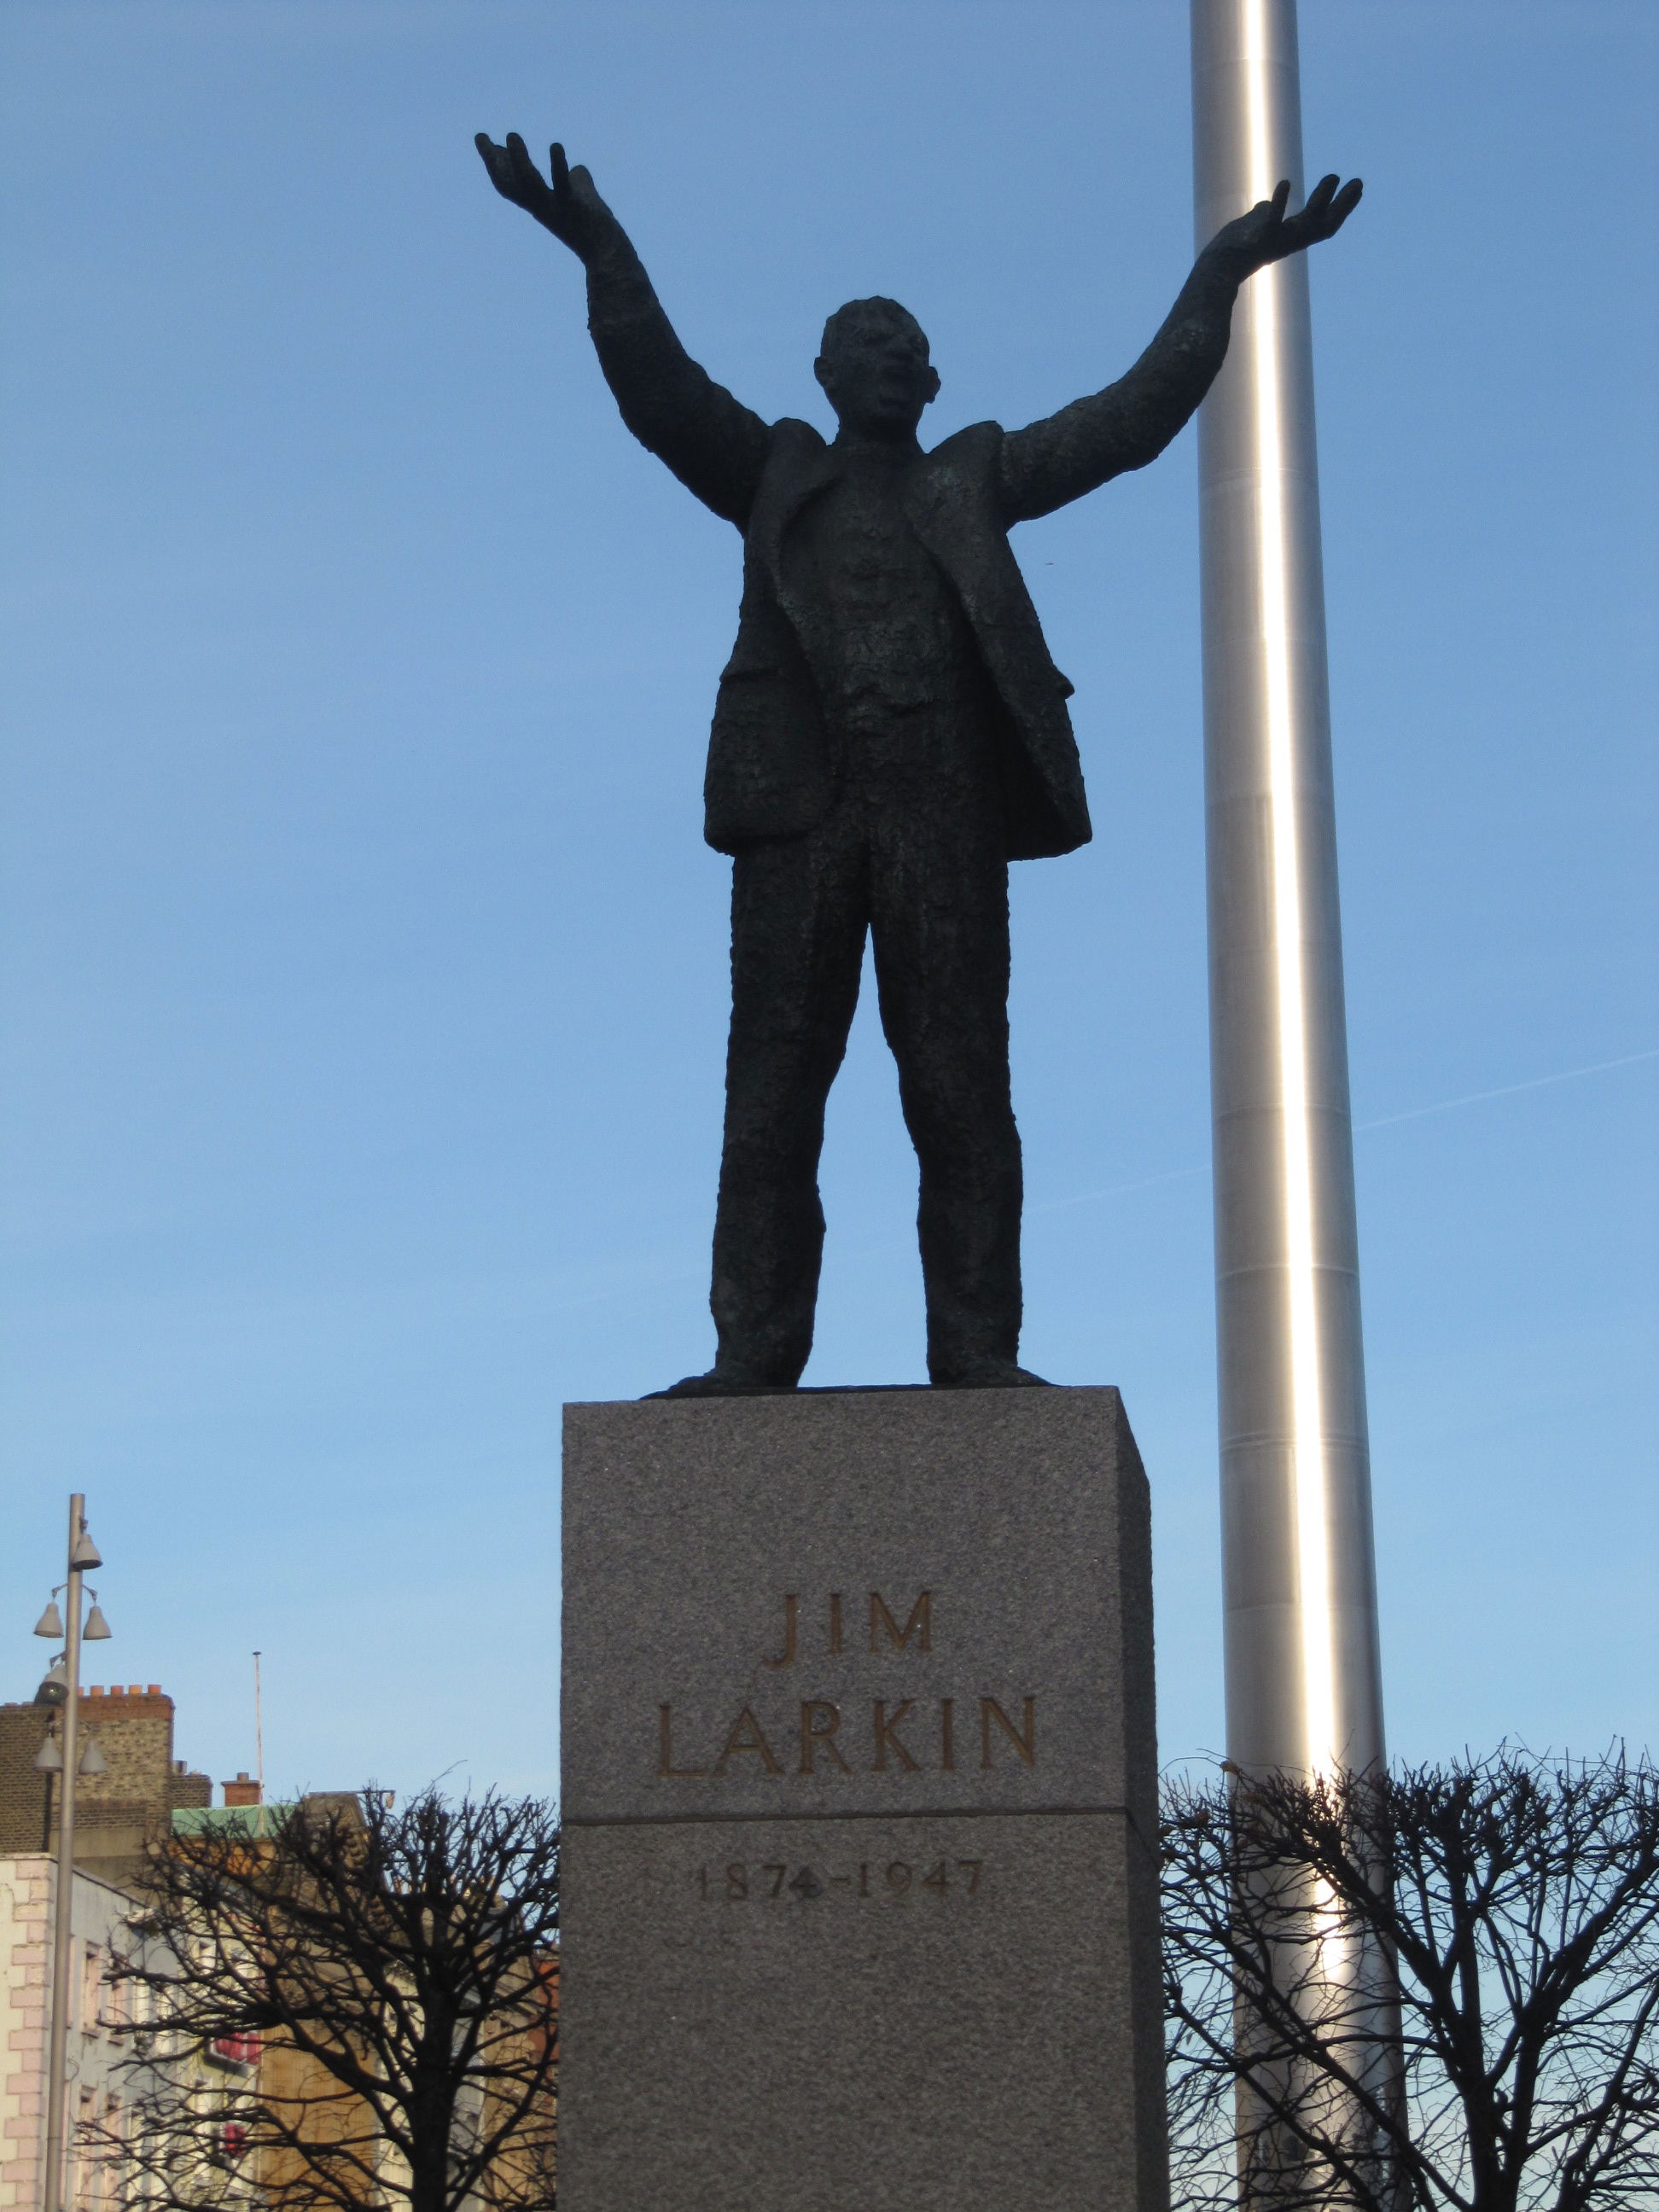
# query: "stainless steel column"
[1304,1680]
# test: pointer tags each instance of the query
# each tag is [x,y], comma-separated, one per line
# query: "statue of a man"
[891,732]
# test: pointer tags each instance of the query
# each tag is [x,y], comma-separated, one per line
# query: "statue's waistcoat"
[771,771]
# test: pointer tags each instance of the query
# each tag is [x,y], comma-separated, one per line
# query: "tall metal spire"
[1303,1677]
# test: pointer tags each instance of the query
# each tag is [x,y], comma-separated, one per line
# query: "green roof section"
[252,1819]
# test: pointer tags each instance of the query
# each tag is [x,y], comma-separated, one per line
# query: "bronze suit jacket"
[771,771]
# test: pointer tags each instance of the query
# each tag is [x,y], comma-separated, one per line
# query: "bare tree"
[357,2007]
[1513,1902]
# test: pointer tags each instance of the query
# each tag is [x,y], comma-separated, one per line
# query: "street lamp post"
[82,1554]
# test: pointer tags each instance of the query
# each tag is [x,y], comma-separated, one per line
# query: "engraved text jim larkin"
[827,1735]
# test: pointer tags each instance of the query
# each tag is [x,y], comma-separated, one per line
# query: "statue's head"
[874,368]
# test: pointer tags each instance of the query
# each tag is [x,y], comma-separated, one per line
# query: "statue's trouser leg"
[938,896]
[799,915]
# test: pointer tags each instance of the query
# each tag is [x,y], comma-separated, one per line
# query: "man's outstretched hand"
[1268,233]
[568,207]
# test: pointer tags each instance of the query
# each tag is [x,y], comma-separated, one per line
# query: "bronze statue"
[891,732]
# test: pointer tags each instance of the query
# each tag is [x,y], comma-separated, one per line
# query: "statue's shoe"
[713,1384]
[991,1375]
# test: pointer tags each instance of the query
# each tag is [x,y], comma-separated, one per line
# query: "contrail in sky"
[1118,1189]
[662,1280]
[1383,1121]
[1506,1089]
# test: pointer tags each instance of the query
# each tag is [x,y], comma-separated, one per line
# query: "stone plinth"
[860,1785]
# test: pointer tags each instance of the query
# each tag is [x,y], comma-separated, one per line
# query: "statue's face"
[876,373]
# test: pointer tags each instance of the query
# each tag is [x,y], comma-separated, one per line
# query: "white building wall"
[96,2092]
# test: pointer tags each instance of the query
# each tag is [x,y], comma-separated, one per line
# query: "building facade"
[115,1812]
[100,2091]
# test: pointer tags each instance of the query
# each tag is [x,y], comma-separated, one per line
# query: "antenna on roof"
[258,1730]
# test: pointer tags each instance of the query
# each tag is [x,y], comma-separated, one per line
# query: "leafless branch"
[359,2005]
[1495,2049]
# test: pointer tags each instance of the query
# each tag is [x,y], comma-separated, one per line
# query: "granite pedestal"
[860,1792]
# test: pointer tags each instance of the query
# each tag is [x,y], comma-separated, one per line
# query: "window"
[140,2007]
[92,1987]
[114,2146]
[86,2152]
[116,2007]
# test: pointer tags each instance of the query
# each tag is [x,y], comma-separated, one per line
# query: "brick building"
[115,1811]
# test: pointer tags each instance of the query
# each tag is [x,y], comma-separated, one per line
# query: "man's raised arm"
[714,444]
[1130,422]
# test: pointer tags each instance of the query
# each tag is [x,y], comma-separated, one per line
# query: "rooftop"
[252,1820]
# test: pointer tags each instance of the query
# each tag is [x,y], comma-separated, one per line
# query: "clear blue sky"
[363,981]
